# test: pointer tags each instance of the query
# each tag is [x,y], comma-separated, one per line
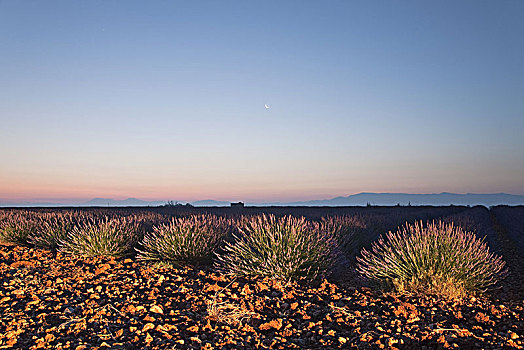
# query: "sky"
[165,100]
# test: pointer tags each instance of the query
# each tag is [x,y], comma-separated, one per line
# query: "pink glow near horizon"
[230,182]
[35,194]
[168,101]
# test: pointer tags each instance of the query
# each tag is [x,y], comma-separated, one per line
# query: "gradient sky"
[165,99]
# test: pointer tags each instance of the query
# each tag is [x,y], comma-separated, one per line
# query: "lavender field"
[357,277]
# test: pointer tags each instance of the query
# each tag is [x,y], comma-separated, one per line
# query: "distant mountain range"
[211,203]
[360,199]
[443,198]
[129,202]
[95,202]
[388,199]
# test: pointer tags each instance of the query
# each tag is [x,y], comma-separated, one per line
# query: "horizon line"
[85,200]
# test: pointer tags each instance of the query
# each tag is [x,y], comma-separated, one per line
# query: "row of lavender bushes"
[436,257]
[259,245]
[512,219]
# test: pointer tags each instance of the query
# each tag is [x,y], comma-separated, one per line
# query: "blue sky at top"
[161,99]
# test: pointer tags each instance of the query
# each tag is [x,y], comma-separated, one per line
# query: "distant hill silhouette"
[129,202]
[211,203]
[95,202]
[388,199]
[360,199]
[443,198]
[6,203]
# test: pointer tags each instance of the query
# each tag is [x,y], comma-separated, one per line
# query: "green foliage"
[285,248]
[191,239]
[348,232]
[107,237]
[438,258]
[53,228]
[16,227]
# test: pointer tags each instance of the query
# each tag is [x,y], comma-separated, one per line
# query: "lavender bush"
[53,228]
[106,237]
[16,227]
[191,239]
[285,248]
[512,219]
[438,257]
[347,230]
[478,221]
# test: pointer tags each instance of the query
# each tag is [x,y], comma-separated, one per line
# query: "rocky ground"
[49,300]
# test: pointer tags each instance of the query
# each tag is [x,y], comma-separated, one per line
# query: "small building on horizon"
[237,206]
